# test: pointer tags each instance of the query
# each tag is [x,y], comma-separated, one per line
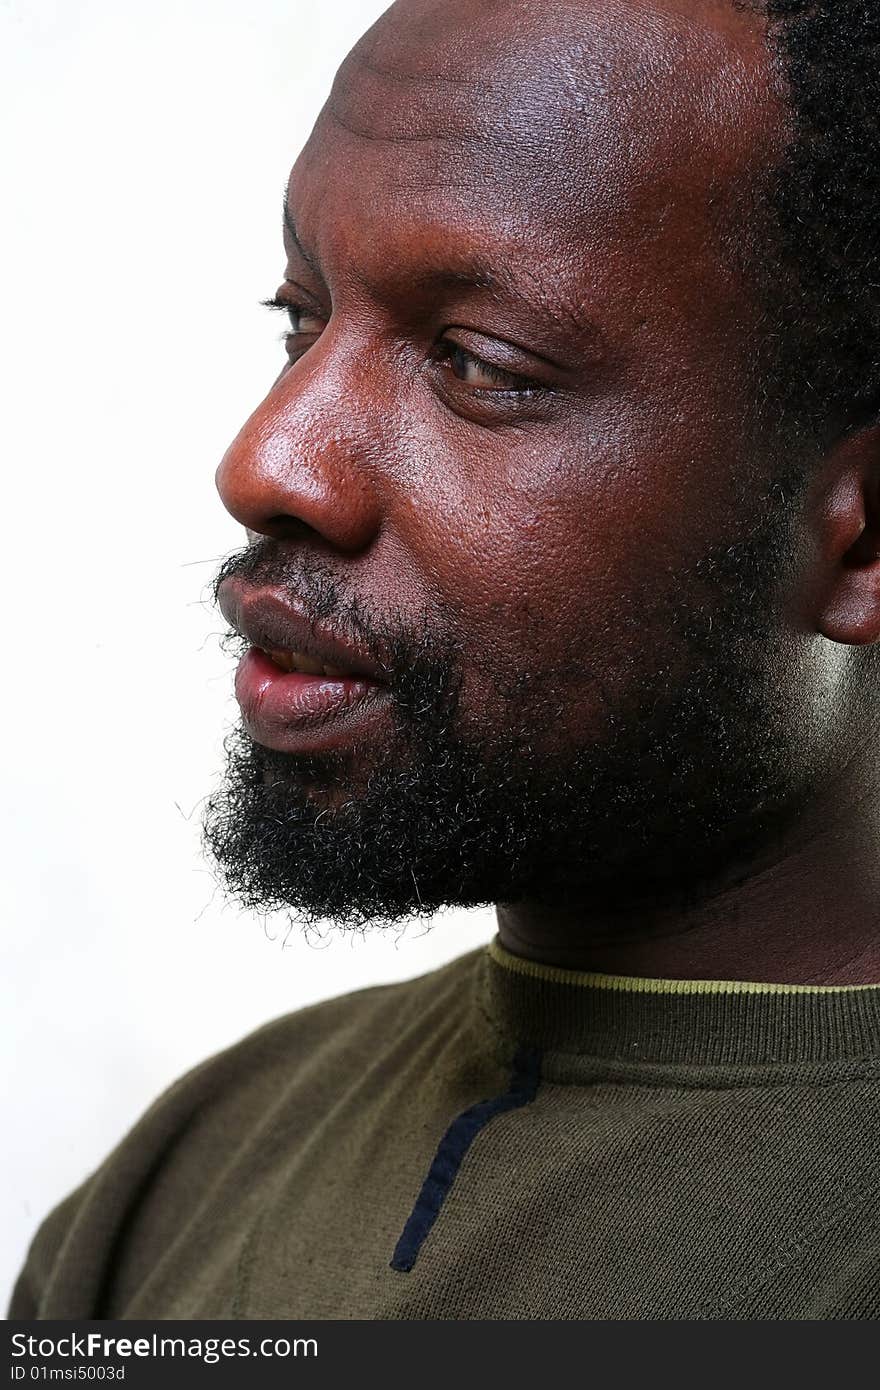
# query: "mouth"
[302,662]
[302,686]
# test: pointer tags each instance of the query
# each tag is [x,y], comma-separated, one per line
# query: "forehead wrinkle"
[502,154]
[555,78]
[393,104]
[362,133]
[400,76]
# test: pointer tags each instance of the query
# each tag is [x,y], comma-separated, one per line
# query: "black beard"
[689,780]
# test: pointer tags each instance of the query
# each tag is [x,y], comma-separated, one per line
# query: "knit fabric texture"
[499,1139]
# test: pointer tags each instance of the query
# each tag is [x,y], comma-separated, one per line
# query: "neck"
[811,915]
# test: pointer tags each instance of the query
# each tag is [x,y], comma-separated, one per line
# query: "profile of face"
[521,596]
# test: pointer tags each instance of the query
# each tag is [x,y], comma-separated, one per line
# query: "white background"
[145,150]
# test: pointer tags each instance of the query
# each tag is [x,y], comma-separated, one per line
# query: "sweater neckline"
[676,1021]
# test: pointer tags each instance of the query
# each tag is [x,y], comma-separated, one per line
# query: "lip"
[291,711]
[268,619]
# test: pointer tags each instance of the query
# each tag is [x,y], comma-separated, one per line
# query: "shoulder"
[296,1064]
[335,1035]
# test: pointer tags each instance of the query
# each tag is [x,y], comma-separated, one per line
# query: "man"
[562,592]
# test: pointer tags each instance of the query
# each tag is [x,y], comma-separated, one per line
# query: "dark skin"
[517,401]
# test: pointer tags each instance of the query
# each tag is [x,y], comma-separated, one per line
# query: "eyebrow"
[473,275]
[290,226]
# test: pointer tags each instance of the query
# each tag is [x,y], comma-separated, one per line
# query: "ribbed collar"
[699,1022]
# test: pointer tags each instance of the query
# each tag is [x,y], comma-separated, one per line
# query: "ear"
[848,524]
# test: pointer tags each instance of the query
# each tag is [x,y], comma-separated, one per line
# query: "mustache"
[420,658]
[316,588]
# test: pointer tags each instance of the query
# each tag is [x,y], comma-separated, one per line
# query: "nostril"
[288,528]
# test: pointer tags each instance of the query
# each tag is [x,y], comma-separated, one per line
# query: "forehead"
[580,120]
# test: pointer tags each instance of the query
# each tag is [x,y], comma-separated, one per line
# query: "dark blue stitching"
[452,1149]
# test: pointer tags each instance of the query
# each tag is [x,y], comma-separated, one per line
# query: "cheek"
[562,573]
[531,585]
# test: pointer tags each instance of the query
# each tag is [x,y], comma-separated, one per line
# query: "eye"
[305,325]
[481,375]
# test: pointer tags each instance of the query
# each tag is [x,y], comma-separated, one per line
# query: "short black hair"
[817,250]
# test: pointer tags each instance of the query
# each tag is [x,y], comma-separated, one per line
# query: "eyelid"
[528,377]
[472,339]
[521,362]
[520,385]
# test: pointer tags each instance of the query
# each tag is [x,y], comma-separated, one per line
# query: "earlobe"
[849,534]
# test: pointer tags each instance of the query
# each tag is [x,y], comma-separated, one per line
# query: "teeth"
[307,665]
[281,658]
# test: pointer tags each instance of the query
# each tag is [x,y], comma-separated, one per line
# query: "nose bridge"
[308,454]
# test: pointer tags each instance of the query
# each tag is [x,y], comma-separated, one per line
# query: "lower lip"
[297,713]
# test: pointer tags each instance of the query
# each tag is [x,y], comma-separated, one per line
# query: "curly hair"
[820,271]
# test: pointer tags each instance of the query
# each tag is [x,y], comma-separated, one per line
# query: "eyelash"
[285,306]
[446,351]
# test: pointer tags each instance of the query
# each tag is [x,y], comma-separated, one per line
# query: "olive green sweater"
[499,1140]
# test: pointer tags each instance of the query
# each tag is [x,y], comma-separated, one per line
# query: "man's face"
[512,461]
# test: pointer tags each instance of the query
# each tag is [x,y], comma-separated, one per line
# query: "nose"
[296,471]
